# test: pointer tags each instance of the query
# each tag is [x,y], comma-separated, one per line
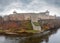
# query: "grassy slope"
[29,25]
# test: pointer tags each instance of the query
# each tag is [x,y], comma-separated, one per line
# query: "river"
[52,37]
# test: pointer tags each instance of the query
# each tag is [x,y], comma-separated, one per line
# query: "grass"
[30,31]
[36,23]
[1,31]
[28,25]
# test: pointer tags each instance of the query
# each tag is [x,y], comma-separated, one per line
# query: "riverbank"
[48,37]
[18,33]
[24,33]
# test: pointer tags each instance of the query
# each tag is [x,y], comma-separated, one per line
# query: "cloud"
[7,7]
[26,1]
[41,6]
[55,3]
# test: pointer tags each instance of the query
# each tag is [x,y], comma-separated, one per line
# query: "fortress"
[11,19]
[29,16]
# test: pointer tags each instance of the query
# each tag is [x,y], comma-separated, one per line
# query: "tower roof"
[14,12]
[47,11]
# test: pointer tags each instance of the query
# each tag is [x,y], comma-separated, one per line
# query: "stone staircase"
[36,27]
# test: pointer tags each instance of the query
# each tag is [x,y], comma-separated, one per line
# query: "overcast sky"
[8,6]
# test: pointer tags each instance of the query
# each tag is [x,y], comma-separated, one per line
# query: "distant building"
[29,16]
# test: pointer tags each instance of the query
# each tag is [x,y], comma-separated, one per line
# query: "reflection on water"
[52,37]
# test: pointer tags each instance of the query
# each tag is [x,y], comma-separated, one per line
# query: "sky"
[35,6]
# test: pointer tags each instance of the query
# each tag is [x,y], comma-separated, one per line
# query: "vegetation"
[32,31]
[1,30]
[29,25]
[22,26]
[29,31]
[36,23]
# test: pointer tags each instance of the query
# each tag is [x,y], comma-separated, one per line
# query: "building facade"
[29,16]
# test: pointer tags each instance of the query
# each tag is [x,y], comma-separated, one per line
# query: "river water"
[51,37]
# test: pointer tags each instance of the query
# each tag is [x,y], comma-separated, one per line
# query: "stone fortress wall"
[29,16]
